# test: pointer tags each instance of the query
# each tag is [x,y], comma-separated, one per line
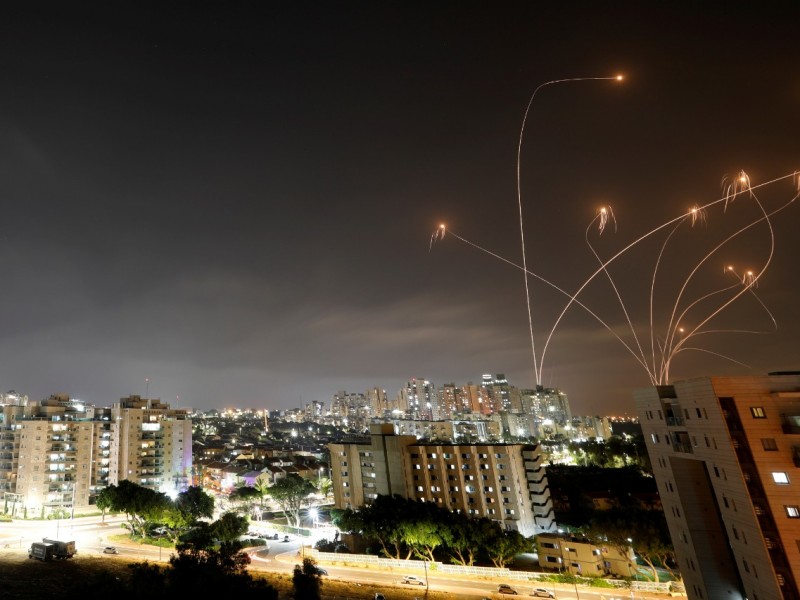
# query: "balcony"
[790,423]
[682,447]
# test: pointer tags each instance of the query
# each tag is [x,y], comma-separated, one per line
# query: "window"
[793,511]
[780,477]
[758,412]
[769,444]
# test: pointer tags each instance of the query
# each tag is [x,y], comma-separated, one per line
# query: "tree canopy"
[290,493]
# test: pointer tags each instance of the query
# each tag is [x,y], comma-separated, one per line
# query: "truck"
[61,549]
[41,551]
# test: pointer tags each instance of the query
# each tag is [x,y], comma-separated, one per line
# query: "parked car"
[286,538]
[542,593]
[411,580]
[110,550]
[321,571]
[504,588]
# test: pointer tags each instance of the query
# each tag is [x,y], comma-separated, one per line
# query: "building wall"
[579,556]
[718,446]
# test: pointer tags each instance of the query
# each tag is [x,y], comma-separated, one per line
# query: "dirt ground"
[22,578]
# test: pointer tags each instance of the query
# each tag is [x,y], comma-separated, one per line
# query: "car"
[321,571]
[286,538]
[504,588]
[110,550]
[542,593]
[412,580]
[379,596]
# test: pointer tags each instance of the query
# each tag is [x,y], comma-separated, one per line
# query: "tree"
[196,503]
[140,504]
[104,501]
[307,581]
[383,520]
[229,527]
[465,537]
[262,487]
[246,496]
[325,487]
[423,531]
[290,492]
[504,547]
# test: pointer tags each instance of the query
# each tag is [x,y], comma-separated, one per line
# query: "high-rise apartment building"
[419,395]
[151,445]
[504,482]
[57,454]
[726,456]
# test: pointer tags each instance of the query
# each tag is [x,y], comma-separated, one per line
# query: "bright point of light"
[619,77]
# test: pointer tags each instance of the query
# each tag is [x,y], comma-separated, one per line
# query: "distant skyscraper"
[420,397]
[378,401]
[726,457]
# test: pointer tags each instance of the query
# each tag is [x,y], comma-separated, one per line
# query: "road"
[92,534]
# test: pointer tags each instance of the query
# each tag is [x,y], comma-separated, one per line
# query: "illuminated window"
[758,412]
[793,512]
[780,477]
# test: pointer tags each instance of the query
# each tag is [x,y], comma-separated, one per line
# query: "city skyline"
[234,206]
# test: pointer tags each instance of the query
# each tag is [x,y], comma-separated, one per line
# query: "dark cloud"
[236,202]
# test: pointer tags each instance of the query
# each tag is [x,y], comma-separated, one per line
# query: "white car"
[542,593]
[411,580]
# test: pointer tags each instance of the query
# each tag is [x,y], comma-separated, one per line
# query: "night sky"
[235,200]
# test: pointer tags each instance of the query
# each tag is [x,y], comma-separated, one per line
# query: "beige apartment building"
[726,456]
[57,454]
[504,482]
[580,556]
[151,445]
